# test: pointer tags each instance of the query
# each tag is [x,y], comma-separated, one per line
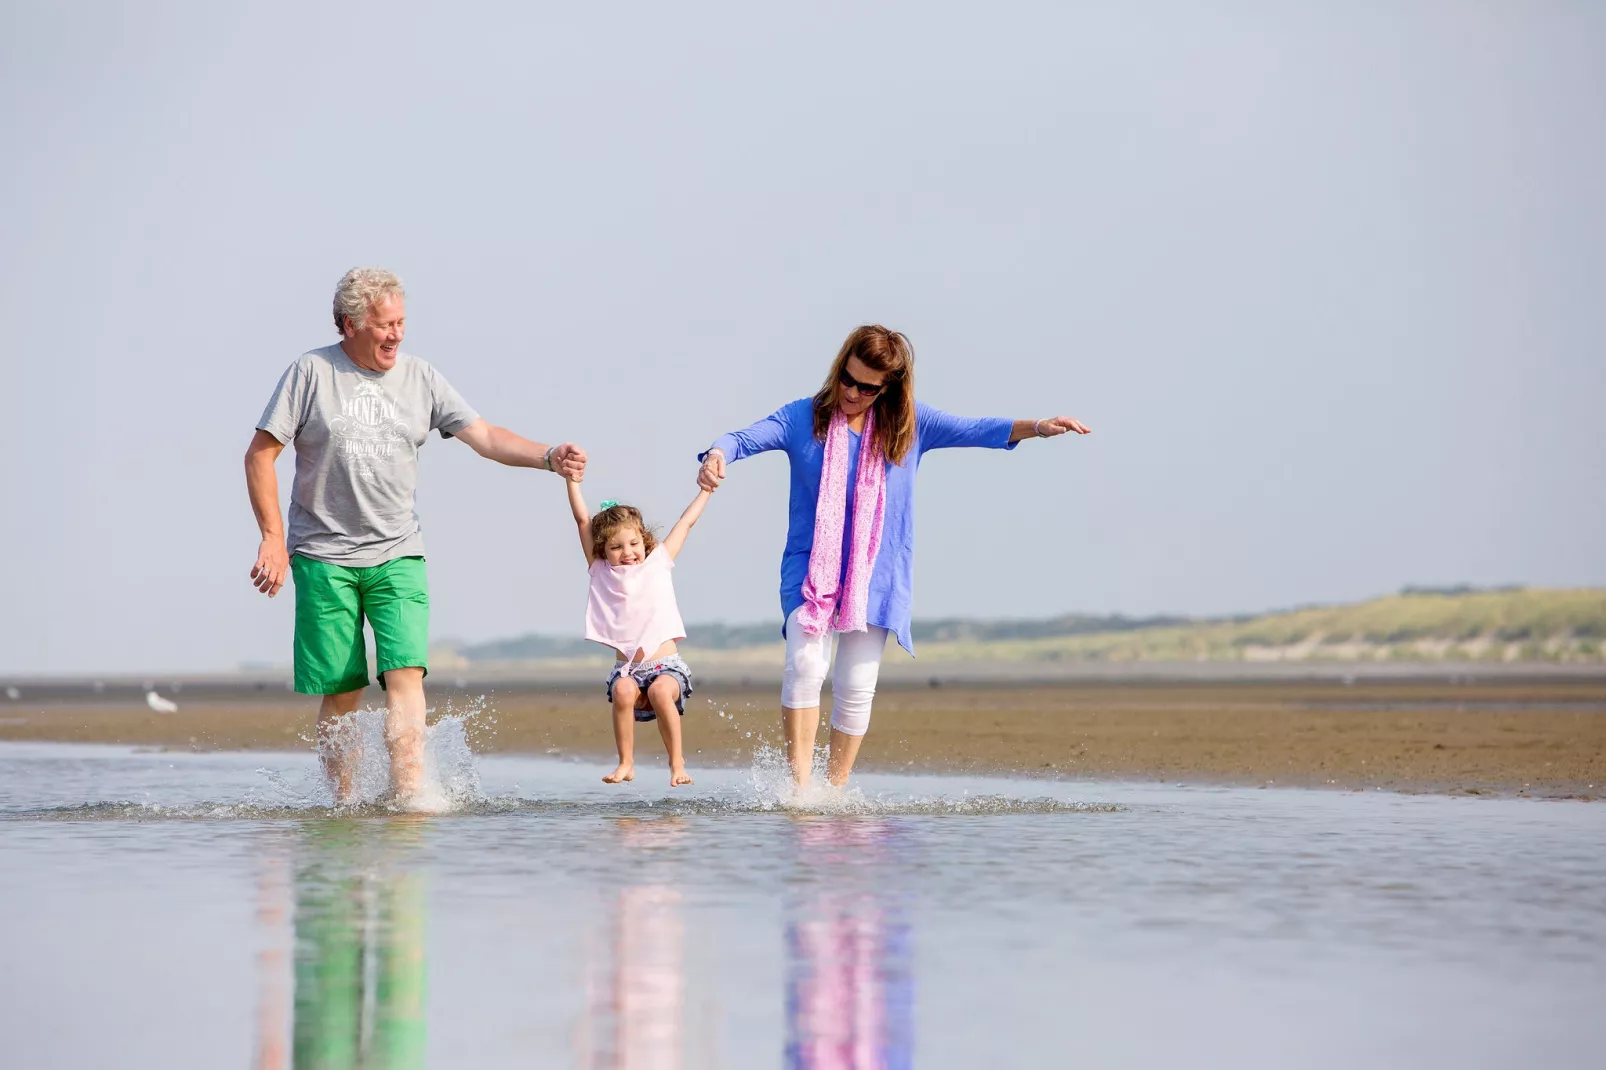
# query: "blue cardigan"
[791,428]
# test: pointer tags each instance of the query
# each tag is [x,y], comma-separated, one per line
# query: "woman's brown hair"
[884,351]
[610,520]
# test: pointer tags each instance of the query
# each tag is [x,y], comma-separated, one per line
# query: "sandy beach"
[1541,737]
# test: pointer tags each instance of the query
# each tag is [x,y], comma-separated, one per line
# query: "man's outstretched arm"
[504,447]
[262,481]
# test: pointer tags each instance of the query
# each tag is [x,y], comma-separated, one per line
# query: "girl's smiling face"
[625,547]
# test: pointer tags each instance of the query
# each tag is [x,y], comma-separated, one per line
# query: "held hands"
[712,473]
[1058,425]
[273,565]
[569,461]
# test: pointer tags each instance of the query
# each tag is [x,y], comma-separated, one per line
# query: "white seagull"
[160,704]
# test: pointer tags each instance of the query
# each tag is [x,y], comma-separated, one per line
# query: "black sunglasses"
[869,390]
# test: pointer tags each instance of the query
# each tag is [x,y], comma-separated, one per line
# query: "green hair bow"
[609,504]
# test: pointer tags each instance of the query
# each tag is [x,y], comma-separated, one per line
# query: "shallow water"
[167,910]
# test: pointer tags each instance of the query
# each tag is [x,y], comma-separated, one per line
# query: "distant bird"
[13,694]
[160,704]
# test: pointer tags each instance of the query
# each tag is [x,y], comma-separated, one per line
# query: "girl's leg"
[662,693]
[858,666]
[625,693]
[808,658]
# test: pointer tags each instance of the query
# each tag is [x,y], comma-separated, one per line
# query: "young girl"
[631,609]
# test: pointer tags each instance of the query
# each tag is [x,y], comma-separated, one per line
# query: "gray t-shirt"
[357,435]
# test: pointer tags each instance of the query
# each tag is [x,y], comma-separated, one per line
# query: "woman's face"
[850,399]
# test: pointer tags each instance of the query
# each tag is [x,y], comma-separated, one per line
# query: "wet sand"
[1540,737]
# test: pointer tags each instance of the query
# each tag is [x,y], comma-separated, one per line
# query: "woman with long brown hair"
[848,567]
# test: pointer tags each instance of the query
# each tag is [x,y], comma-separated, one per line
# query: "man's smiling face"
[376,343]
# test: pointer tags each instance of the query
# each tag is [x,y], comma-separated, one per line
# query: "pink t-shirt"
[632,607]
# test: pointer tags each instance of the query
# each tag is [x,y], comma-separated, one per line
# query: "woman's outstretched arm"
[943,430]
[677,534]
[582,516]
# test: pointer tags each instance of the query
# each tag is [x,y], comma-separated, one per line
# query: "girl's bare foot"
[678,776]
[625,773]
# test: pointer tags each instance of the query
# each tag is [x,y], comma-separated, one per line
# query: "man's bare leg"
[800,727]
[339,746]
[404,732]
[844,751]
[662,693]
[625,693]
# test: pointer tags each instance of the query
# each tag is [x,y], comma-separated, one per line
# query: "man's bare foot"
[625,773]
[677,777]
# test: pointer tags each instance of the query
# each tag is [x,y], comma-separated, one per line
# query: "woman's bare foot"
[678,777]
[625,773]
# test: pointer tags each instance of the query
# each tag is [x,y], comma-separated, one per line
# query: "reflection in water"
[850,981]
[273,1004]
[358,952]
[636,1011]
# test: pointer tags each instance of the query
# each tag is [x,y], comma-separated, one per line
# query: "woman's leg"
[663,693]
[858,666]
[808,658]
[625,693]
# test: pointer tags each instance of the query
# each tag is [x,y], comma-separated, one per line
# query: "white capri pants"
[858,664]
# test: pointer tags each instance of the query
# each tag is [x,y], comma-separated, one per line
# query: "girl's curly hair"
[610,520]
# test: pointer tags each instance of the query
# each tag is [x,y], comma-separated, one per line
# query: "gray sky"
[1325,279]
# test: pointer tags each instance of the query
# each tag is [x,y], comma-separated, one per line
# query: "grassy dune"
[1512,625]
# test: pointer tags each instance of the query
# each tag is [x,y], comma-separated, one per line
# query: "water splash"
[453,787]
[451,778]
[769,788]
[858,806]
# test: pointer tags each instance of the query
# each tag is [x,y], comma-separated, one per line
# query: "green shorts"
[331,602]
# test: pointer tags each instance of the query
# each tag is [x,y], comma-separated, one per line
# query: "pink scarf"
[829,602]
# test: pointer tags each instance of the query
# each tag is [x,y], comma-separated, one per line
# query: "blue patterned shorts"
[648,671]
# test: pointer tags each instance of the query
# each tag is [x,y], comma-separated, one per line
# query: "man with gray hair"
[358,413]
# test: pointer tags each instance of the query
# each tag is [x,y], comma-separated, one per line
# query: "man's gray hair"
[359,290]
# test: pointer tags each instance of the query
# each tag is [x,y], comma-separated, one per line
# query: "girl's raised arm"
[582,517]
[677,534]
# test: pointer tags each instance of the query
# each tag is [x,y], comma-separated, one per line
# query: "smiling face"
[850,399]
[625,546]
[376,344]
